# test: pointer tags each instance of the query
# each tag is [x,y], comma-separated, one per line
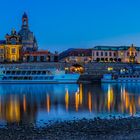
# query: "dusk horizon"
[81,24]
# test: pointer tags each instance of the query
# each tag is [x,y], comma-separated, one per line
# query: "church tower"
[27,37]
[24,21]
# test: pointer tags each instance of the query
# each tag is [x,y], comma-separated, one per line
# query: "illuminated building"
[39,56]
[12,47]
[2,50]
[125,54]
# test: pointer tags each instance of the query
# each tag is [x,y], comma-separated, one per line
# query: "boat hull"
[62,79]
[121,81]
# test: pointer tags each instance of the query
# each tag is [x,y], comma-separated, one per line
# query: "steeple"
[26,36]
[24,21]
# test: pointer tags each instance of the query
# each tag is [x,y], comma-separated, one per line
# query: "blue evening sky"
[62,24]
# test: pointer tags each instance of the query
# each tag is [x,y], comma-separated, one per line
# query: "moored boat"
[36,76]
[120,78]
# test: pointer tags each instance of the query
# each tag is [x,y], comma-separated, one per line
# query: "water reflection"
[32,103]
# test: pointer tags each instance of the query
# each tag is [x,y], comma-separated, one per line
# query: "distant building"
[27,37]
[124,54]
[76,55]
[40,56]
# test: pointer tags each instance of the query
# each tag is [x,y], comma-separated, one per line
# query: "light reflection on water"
[41,103]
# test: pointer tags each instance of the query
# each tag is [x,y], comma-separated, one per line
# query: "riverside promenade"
[93,71]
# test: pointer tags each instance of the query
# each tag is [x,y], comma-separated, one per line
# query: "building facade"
[76,55]
[126,54]
[10,48]
[40,56]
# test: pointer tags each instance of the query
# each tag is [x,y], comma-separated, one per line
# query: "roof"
[114,48]
[75,52]
[37,53]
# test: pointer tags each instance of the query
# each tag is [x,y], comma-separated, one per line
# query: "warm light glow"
[66,68]
[81,94]
[24,103]
[129,103]
[13,110]
[76,101]
[110,68]
[67,99]
[89,102]
[48,103]
[110,97]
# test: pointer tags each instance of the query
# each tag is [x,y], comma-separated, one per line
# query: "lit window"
[1,51]
[109,68]
[13,50]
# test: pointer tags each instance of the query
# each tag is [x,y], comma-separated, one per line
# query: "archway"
[77,68]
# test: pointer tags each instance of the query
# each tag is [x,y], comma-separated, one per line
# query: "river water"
[40,104]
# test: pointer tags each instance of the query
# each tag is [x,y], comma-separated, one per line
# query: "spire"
[24,21]
[24,15]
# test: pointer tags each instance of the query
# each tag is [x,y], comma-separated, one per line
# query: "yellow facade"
[2,53]
[12,53]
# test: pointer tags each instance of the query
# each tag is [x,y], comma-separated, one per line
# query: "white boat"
[122,78]
[21,76]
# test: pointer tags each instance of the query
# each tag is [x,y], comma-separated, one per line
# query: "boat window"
[51,77]
[18,72]
[7,72]
[46,78]
[13,72]
[43,72]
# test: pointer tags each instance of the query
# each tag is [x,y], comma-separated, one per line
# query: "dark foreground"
[84,129]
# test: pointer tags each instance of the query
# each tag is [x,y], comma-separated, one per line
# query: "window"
[1,51]
[110,54]
[127,53]
[1,58]
[101,53]
[13,41]
[13,50]
[97,54]
[105,53]
[114,54]
[135,54]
